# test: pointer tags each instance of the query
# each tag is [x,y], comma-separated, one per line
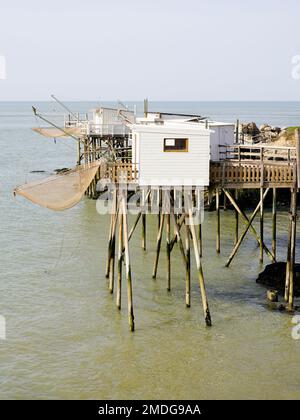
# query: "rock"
[273,277]
[272,295]
[62,170]
[268,128]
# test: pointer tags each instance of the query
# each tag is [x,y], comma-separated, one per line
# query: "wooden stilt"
[200,239]
[236,213]
[109,247]
[288,257]
[177,233]
[218,220]
[120,261]
[127,265]
[293,250]
[274,223]
[261,245]
[168,250]
[188,267]
[113,253]
[111,232]
[290,266]
[206,311]
[225,202]
[180,222]
[144,232]
[158,245]
[78,152]
[249,224]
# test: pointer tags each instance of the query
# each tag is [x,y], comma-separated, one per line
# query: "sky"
[193,50]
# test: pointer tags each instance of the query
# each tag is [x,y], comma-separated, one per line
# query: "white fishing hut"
[176,152]
[110,121]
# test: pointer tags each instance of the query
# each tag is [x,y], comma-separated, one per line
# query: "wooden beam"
[274,222]
[128,266]
[218,220]
[206,311]
[246,221]
[158,245]
[297,139]
[249,224]
[120,262]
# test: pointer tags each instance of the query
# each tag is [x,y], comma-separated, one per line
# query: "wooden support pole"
[288,257]
[290,266]
[144,231]
[225,202]
[293,249]
[236,213]
[144,205]
[158,245]
[249,224]
[261,224]
[112,228]
[127,265]
[274,222]
[112,253]
[188,267]
[168,250]
[218,220]
[200,239]
[177,232]
[206,311]
[174,239]
[109,246]
[120,261]
[78,152]
[246,220]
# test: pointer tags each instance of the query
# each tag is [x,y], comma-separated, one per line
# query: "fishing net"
[65,190]
[56,132]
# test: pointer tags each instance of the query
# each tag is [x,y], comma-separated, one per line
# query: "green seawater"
[65,336]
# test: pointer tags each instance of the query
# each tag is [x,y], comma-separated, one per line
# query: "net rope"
[62,191]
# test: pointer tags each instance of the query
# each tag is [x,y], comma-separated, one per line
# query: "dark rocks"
[62,170]
[273,277]
[264,134]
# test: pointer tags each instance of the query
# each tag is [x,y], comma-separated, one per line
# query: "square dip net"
[62,191]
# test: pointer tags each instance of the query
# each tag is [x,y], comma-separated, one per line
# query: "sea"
[61,335]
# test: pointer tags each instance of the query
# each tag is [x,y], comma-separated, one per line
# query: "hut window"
[175,145]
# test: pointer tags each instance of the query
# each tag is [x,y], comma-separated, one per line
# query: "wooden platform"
[241,167]
[253,174]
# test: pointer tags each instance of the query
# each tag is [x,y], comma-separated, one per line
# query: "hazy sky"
[161,49]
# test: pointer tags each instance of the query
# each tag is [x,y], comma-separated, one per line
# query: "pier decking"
[241,167]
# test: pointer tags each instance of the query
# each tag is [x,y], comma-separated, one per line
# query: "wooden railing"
[122,172]
[246,175]
[257,152]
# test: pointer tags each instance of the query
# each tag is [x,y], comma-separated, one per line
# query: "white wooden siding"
[157,167]
[221,135]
